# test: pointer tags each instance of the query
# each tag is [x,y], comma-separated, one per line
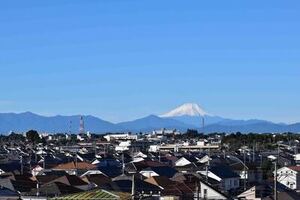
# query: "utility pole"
[30,161]
[123,164]
[278,152]
[132,188]
[253,152]
[95,147]
[198,190]
[37,189]
[44,161]
[76,163]
[159,151]
[245,171]
[207,166]
[21,161]
[275,181]
[206,175]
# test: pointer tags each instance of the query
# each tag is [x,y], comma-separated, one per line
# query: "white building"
[165,132]
[297,159]
[36,170]
[153,148]
[125,136]
[208,192]
[123,146]
[289,176]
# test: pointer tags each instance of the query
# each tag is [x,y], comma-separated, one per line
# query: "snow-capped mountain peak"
[189,109]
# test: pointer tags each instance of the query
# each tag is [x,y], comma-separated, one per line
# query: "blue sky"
[120,60]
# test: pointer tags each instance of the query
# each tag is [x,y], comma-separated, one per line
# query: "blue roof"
[5,192]
[223,171]
[164,171]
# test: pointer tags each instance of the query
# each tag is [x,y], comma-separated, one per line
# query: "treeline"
[31,136]
[261,140]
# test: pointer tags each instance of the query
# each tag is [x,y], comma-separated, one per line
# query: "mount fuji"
[192,114]
[187,109]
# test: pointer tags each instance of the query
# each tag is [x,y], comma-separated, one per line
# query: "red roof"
[295,168]
[72,165]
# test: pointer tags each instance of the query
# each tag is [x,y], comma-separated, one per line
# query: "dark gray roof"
[223,171]
[5,192]
[164,171]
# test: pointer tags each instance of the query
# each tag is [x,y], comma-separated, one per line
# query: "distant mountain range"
[186,116]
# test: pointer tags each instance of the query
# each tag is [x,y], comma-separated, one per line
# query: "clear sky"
[124,59]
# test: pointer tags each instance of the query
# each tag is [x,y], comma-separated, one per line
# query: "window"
[223,183]
[235,182]
[205,193]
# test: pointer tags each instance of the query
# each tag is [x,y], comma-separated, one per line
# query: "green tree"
[33,136]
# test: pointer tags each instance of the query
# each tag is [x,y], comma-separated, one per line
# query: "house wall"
[169,198]
[182,162]
[298,181]
[148,174]
[249,194]
[33,198]
[288,177]
[250,175]
[36,171]
[230,183]
[211,193]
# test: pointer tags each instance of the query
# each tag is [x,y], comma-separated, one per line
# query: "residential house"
[228,179]
[200,187]
[290,177]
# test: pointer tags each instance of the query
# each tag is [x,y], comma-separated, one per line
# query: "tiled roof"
[72,165]
[55,188]
[91,195]
[295,168]
[125,186]
[98,179]
[70,180]
[5,192]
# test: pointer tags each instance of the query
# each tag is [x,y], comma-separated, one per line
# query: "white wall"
[211,193]
[287,177]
